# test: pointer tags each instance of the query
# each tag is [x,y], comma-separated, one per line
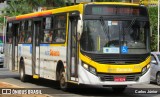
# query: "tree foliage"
[109,0]
[1,21]
[15,8]
[153,14]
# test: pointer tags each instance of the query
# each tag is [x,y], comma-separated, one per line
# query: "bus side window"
[9,33]
[60,37]
[28,34]
[59,34]
[46,35]
[22,32]
[21,37]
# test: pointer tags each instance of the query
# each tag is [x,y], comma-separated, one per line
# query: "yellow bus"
[93,43]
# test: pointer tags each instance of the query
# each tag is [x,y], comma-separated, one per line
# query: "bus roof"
[78,7]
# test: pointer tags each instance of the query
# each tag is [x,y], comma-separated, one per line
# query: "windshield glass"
[107,36]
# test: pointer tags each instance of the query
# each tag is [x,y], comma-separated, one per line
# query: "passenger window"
[46,36]
[28,34]
[9,33]
[59,32]
[47,22]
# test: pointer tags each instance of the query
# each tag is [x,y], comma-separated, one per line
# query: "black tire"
[119,89]
[158,78]
[23,76]
[62,80]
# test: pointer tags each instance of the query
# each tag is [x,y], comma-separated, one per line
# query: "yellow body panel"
[114,68]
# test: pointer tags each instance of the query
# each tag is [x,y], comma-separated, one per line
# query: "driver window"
[153,58]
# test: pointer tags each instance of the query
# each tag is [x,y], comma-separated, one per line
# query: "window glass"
[21,37]
[153,58]
[22,34]
[47,22]
[22,25]
[60,21]
[28,34]
[59,34]
[9,33]
[101,36]
[28,37]
[47,36]
[29,25]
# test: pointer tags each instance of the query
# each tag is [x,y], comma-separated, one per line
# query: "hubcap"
[21,74]
[158,79]
[62,80]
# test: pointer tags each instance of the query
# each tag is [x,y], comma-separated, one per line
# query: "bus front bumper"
[85,77]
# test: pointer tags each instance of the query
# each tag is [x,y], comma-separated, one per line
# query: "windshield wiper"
[104,27]
[129,27]
[131,24]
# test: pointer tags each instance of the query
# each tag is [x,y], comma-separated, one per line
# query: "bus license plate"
[119,79]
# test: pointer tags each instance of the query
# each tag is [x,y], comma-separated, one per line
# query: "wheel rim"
[62,81]
[21,73]
[158,79]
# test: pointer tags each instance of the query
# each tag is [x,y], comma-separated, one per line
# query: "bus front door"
[36,49]
[72,50]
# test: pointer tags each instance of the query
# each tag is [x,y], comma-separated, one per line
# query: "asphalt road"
[77,91]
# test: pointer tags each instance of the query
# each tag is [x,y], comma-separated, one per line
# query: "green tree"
[37,3]
[1,21]
[109,0]
[153,14]
[48,3]
[60,3]
[18,7]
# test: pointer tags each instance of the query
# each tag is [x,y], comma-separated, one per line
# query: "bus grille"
[117,58]
[105,77]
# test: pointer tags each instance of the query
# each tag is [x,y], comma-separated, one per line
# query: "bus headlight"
[85,66]
[89,68]
[145,69]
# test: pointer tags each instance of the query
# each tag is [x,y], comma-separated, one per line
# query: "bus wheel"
[119,89]
[63,82]
[23,76]
[158,78]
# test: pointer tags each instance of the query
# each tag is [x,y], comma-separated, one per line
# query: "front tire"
[158,79]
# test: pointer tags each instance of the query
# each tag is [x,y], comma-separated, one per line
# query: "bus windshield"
[108,36]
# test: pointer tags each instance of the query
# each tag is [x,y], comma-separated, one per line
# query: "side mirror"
[153,62]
